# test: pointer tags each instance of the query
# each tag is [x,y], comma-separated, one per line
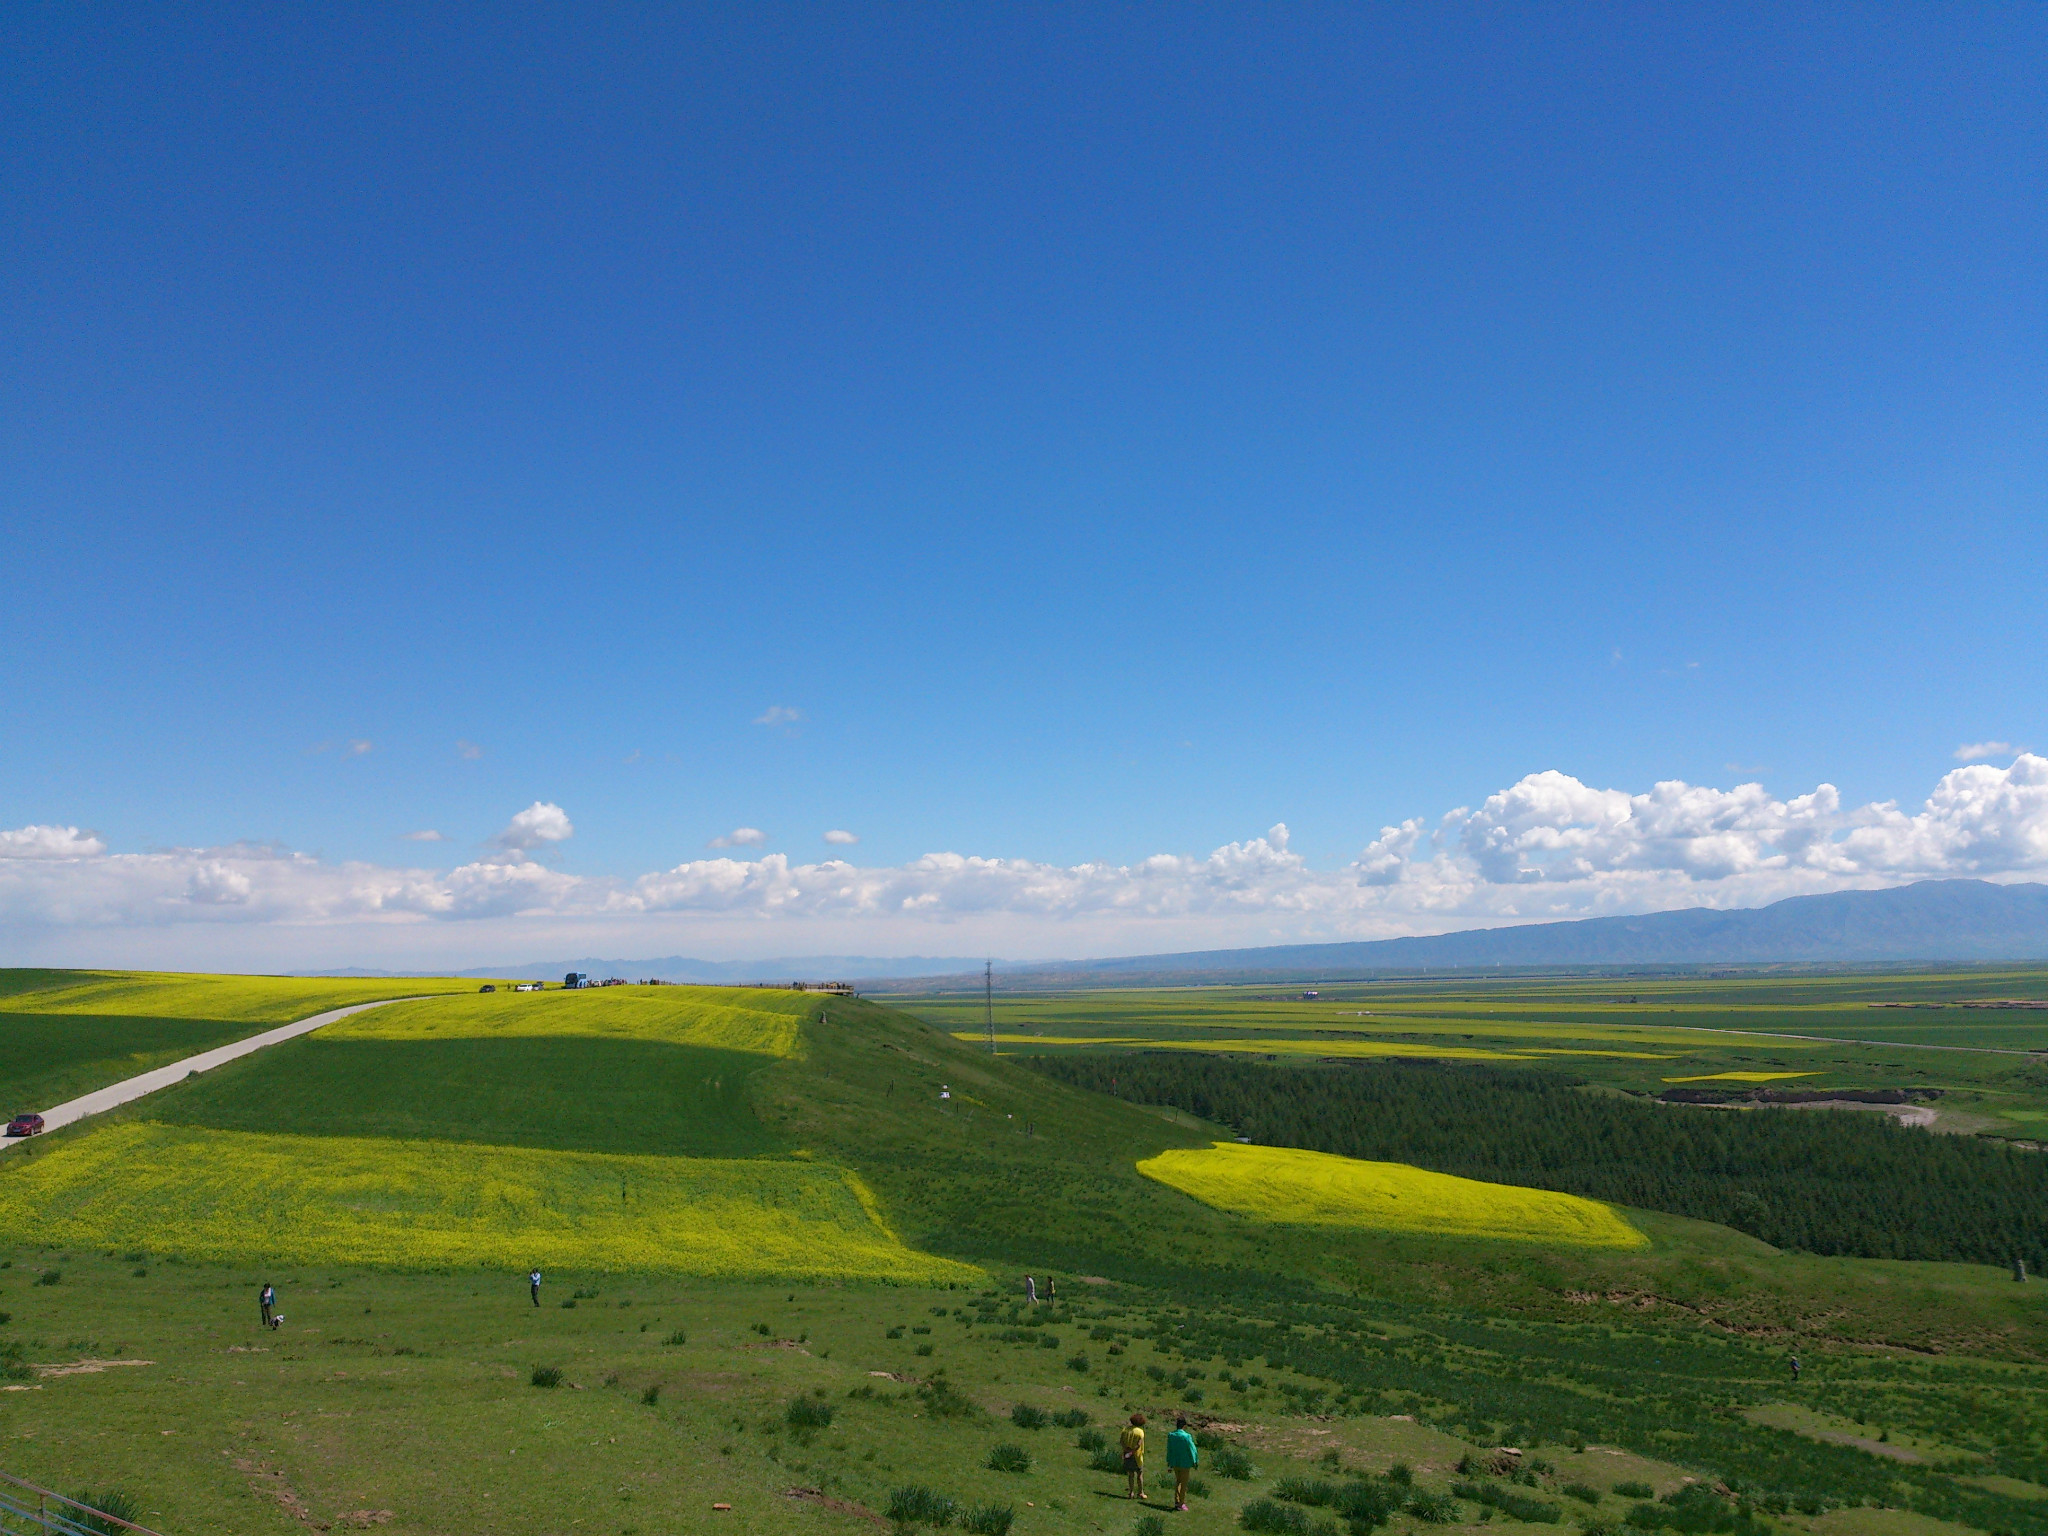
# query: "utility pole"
[988,998]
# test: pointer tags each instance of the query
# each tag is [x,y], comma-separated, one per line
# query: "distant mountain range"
[1934,920]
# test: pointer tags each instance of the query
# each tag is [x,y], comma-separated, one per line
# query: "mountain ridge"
[1929,921]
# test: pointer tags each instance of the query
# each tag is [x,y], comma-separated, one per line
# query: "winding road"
[130,1089]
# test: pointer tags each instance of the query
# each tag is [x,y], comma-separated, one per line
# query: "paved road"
[133,1088]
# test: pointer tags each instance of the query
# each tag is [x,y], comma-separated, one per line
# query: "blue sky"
[1058,436]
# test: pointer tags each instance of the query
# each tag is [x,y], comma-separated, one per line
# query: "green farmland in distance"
[1972,1062]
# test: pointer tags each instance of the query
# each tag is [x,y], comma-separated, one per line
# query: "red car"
[25,1125]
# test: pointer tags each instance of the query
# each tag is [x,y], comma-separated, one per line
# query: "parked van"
[577,979]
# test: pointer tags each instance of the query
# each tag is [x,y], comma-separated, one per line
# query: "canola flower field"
[1338,1046]
[253,1000]
[209,1195]
[747,1019]
[1288,1186]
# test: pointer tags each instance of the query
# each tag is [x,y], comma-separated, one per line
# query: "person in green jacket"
[1181,1460]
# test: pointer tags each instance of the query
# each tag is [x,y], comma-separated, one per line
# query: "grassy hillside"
[886,1186]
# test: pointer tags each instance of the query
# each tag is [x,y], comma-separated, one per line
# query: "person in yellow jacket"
[1132,1441]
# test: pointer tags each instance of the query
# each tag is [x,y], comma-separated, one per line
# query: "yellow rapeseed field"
[1739,1077]
[250,999]
[230,1195]
[731,1018]
[1281,1184]
[1323,1047]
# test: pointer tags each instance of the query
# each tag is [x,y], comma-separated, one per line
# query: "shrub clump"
[1518,1506]
[915,1504]
[1304,1490]
[1009,1458]
[546,1376]
[652,1395]
[1026,1416]
[121,1506]
[1090,1440]
[1365,1505]
[1635,1491]
[1077,1363]
[1695,1510]
[1277,1519]
[1434,1508]
[808,1413]
[676,1340]
[989,1519]
[1233,1462]
[943,1400]
[1585,1493]
[1073,1418]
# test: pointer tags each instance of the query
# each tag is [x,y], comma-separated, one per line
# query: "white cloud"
[359,747]
[1548,846]
[468,750]
[540,823]
[49,843]
[739,837]
[1977,751]
[778,714]
[843,838]
[425,835]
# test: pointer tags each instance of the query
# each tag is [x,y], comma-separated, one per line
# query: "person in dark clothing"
[534,1281]
[265,1300]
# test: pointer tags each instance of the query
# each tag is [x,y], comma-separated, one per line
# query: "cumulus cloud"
[1977,751]
[843,838]
[1548,846]
[541,823]
[49,843]
[425,835]
[359,747]
[778,714]
[739,837]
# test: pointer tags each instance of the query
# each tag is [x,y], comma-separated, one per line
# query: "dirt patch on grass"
[838,1506]
[86,1367]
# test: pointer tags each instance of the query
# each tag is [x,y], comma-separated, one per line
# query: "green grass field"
[1921,1031]
[655,1148]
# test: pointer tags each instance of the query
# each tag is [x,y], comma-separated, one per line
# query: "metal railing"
[27,1510]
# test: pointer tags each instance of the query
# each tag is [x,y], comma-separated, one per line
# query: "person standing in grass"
[265,1300]
[1132,1442]
[1181,1460]
[534,1281]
